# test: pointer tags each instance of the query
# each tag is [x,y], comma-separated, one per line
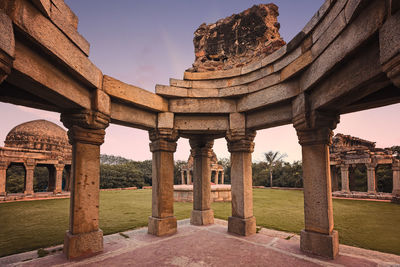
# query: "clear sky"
[147,42]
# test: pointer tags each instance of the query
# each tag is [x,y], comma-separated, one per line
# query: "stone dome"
[39,135]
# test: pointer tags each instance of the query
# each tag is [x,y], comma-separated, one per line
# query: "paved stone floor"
[206,246]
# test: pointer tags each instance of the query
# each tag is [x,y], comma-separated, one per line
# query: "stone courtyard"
[244,79]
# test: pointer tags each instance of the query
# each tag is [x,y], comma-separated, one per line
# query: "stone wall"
[237,40]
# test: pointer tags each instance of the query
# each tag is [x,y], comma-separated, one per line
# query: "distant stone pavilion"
[33,144]
[347,152]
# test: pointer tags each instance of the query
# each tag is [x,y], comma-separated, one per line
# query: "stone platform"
[219,193]
[363,195]
[35,196]
[205,246]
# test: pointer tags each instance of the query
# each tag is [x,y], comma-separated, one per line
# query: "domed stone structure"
[37,143]
[39,135]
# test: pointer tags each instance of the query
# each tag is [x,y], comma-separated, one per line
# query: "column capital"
[315,127]
[371,166]
[59,167]
[201,147]
[163,140]
[396,165]
[86,126]
[4,165]
[344,166]
[240,141]
[30,164]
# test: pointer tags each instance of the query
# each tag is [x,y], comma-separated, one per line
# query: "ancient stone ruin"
[36,143]
[237,40]
[347,151]
[345,59]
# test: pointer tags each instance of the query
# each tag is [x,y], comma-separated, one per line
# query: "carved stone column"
[335,179]
[189,177]
[86,131]
[315,135]
[396,182]
[371,179]
[68,179]
[222,177]
[202,214]
[163,145]
[241,145]
[183,177]
[3,177]
[29,175]
[58,173]
[344,171]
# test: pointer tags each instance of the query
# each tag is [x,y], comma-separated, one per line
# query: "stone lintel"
[323,245]
[202,217]
[242,226]
[83,245]
[162,226]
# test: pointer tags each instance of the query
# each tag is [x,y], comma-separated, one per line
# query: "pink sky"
[129,44]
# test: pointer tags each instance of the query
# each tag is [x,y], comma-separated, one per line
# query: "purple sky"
[146,42]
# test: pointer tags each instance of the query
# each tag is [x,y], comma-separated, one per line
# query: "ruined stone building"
[347,152]
[217,170]
[244,79]
[33,144]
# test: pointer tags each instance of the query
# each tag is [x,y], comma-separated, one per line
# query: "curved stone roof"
[39,135]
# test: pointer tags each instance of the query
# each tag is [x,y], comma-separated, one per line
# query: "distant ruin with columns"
[347,152]
[245,79]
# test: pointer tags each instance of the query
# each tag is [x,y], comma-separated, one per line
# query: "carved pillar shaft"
[242,221]
[344,171]
[222,177]
[86,134]
[371,179]
[315,132]
[396,178]
[202,214]
[58,172]
[182,177]
[3,177]
[163,146]
[29,175]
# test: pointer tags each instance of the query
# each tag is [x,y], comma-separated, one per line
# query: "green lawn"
[34,224]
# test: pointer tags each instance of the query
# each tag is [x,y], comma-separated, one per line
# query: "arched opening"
[42,181]
[15,178]
[384,178]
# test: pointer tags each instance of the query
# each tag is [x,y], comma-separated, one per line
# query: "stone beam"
[7,45]
[127,115]
[134,95]
[269,117]
[202,105]
[201,123]
[32,23]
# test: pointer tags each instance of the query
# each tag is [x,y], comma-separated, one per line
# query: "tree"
[272,158]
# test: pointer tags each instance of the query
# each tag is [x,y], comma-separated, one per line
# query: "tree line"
[119,172]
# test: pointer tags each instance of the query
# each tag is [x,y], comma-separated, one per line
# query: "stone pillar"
[86,131]
[315,135]
[189,177]
[241,145]
[163,145]
[335,179]
[202,214]
[344,171]
[68,179]
[216,177]
[222,177]
[182,176]
[3,177]
[29,175]
[371,179]
[51,185]
[58,172]
[396,182]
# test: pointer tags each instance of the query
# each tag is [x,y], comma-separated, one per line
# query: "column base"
[83,245]
[161,227]
[396,199]
[371,192]
[242,226]
[27,193]
[202,217]
[323,245]
[3,194]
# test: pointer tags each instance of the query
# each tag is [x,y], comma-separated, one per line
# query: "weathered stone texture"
[237,40]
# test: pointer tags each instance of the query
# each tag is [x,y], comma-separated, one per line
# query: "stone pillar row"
[163,145]
[241,145]
[314,132]
[201,149]
[86,131]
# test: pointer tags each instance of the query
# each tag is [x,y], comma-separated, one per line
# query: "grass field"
[34,224]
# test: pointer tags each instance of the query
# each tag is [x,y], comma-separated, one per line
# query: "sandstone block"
[242,226]
[202,217]
[161,227]
[82,245]
[165,120]
[320,244]
[237,121]
[102,102]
